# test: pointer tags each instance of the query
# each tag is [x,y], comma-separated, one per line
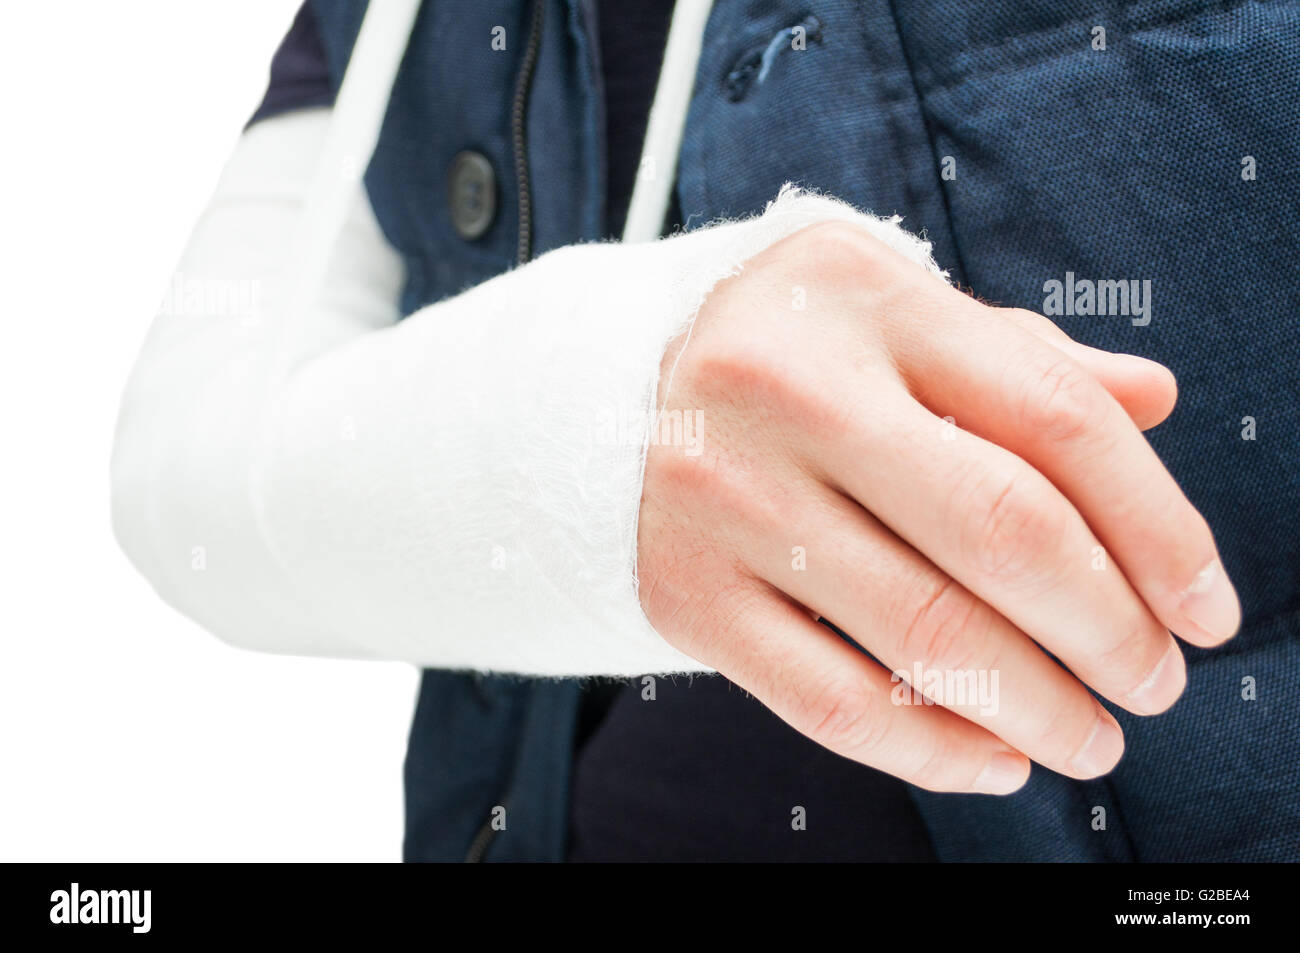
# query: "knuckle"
[839,253]
[675,486]
[1183,521]
[708,497]
[844,720]
[1064,730]
[675,476]
[836,247]
[935,771]
[764,383]
[1034,322]
[736,365]
[1132,656]
[743,373]
[1018,525]
[1061,402]
[700,624]
[940,630]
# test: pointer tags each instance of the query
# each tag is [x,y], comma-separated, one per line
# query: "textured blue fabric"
[1122,163]
[1127,164]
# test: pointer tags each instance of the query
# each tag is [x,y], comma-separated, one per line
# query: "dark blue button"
[471,194]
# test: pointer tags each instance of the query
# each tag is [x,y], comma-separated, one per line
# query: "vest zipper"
[518,130]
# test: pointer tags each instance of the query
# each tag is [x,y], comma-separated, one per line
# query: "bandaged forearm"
[459,489]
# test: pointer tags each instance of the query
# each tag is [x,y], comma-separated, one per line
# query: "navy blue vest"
[1029,147]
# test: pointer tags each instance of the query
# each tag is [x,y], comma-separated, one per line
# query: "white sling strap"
[354,128]
[663,139]
[359,112]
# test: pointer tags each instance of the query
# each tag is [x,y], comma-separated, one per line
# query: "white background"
[126,732]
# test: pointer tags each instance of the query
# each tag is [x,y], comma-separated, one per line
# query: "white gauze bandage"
[457,490]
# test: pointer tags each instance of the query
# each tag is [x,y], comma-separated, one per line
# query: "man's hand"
[830,485]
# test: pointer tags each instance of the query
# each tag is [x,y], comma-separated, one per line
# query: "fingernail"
[1211,603]
[1004,773]
[1101,751]
[1162,686]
